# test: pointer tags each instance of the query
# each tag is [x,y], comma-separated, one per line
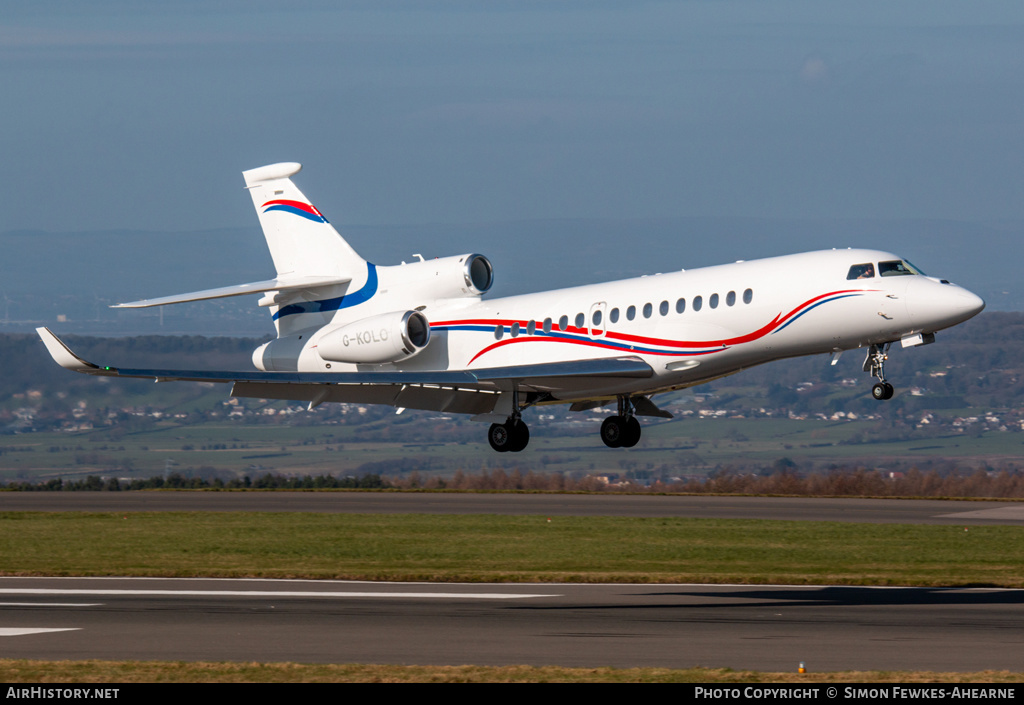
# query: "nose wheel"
[882,390]
[875,364]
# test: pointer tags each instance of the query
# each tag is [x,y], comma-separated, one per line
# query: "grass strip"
[25,671]
[487,548]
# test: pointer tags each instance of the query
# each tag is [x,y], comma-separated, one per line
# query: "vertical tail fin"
[301,241]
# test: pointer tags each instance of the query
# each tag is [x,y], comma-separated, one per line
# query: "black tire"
[500,437]
[889,391]
[631,436]
[520,436]
[612,431]
[878,391]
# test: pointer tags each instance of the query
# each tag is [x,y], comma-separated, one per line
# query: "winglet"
[62,354]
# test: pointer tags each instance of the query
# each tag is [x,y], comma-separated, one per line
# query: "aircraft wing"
[283,284]
[460,391]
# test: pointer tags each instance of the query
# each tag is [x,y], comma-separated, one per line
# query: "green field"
[508,548]
[690,447]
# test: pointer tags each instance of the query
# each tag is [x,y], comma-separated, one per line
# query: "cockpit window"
[897,268]
[861,271]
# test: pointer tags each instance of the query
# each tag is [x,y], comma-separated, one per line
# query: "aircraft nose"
[939,305]
[972,304]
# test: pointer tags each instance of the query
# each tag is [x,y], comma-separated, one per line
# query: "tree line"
[839,482]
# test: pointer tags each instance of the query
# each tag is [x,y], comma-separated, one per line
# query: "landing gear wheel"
[631,435]
[612,431]
[500,437]
[520,437]
[882,390]
[508,437]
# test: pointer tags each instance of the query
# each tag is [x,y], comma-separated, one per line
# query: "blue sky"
[142,116]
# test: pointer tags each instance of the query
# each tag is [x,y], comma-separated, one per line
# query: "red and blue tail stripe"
[298,208]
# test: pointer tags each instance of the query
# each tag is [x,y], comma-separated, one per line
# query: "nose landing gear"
[875,364]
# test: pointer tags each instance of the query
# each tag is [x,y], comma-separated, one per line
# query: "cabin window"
[580,320]
[896,268]
[730,298]
[663,309]
[563,323]
[680,305]
[713,301]
[698,303]
[596,318]
[499,331]
[861,271]
[631,312]
[515,329]
[748,296]
[648,310]
[547,325]
[531,327]
[614,315]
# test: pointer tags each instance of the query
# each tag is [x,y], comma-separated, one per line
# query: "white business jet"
[420,335]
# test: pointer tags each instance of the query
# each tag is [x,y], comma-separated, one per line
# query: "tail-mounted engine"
[389,337]
[443,278]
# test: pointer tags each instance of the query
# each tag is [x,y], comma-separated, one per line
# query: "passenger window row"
[648,311]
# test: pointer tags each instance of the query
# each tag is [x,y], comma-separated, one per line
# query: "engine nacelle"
[279,355]
[389,337]
[445,277]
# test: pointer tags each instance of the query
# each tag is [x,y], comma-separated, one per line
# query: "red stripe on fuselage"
[640,339]
[586,342]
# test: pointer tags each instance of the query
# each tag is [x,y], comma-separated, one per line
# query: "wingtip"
[62,354]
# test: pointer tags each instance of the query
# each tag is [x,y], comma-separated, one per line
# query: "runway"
[902,511]
[672,626]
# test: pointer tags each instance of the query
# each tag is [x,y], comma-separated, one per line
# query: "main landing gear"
[622,430]
[619,431]
[513,435]
[875,364]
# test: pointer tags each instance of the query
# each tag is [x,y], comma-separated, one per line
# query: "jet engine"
[445,277]
[389,337]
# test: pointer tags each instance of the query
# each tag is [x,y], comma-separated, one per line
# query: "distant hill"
[78,275]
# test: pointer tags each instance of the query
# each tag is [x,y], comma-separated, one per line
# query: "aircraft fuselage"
[690,326]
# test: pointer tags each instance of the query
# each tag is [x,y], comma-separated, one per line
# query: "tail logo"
[299,208]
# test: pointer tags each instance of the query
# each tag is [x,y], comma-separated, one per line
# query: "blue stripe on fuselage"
[810,308]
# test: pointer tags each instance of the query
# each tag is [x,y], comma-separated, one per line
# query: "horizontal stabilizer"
[280,284]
